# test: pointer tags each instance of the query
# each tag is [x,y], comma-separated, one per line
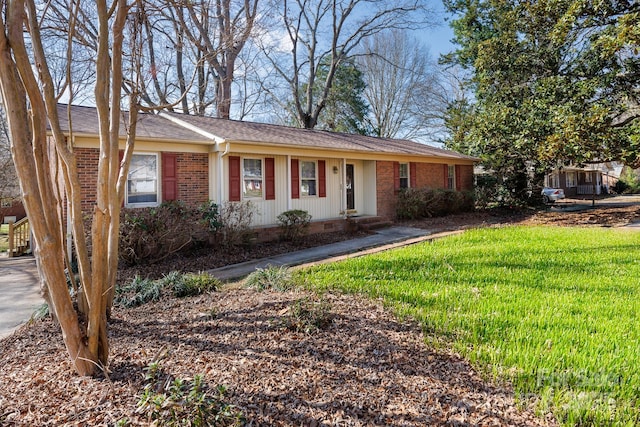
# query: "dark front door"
[351,204]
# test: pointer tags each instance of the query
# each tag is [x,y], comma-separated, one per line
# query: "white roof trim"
[193,128]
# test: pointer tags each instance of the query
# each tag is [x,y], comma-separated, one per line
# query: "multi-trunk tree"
[547,91]
[320,36]
[46,164]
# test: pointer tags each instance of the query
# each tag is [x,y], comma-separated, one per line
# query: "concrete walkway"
[383,239]
[19,292]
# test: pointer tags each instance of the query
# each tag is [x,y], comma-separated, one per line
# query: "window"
[587,177]
[252,178]
[451,177]
[308,178]
[142,181]
[571,179]
[7,203]
[404,175]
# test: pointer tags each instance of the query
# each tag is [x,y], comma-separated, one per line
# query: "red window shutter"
[446,176]
[295,179]
[396,176]
[458,181]
[269,178]
[322,178]
[169,177]
[234,178]
[413,174]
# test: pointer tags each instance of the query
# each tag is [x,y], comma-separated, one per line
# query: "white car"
[551,195]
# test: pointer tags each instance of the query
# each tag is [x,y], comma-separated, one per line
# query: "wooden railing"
[19,237]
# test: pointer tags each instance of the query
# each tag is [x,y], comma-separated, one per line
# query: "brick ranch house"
[330,175]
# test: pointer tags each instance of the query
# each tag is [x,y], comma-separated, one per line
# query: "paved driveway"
[19,292]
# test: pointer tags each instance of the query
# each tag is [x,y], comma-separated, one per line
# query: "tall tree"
[403,87]
[320,35]
[346,109]
[219,30]
[31,102]
[544,94]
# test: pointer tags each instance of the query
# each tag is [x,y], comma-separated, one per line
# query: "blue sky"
[437,39]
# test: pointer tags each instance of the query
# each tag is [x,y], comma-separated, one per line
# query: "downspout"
[220,172]
[289,189]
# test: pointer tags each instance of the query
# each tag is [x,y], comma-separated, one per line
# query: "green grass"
[555,311]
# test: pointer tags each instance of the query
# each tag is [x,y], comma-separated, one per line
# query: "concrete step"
[370,226]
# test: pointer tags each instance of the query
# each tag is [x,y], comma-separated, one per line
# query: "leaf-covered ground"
[366,368]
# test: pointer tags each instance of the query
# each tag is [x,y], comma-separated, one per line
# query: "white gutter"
[289,189]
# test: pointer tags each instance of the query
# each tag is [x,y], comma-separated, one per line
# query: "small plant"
[195,284]
[309,315]
[139,291]
[168,401]
[277,278]
[41,312]
[210,213]
[294,224]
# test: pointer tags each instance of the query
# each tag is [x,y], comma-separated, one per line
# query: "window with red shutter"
[413,174]
[269,178]
[169,177]
[322,178]
[234,178]
[295,179]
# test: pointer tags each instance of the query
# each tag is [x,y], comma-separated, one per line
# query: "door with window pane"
[351,203]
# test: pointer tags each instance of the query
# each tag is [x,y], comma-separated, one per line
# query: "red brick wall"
[466,177]
[428,175]
[385,190]
[87,161]
[193,177]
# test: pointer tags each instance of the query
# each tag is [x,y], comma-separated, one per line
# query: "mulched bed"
[366,368]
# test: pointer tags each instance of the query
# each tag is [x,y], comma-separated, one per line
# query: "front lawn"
[553,310]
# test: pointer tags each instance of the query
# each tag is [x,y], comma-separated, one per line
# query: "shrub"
[195,284]
[236,218]
[169,401]
[309,315]
[148,235]
[210,214]
[278,278]
[414,203]
[294,224]
[139,291]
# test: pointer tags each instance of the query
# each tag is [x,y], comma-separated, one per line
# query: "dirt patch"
[366,368]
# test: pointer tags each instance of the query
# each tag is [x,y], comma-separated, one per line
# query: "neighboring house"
[576,181]
[11,209]
[277,168]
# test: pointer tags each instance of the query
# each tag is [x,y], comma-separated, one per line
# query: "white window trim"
[158,185]
[315,167]
[262,189]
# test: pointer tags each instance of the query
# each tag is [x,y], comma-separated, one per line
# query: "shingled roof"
[150,126]
[251,132]
[207,130]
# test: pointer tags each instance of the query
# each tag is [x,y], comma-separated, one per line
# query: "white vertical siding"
[369,192]
[324,207]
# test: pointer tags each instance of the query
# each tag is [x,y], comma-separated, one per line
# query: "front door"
[351,204]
